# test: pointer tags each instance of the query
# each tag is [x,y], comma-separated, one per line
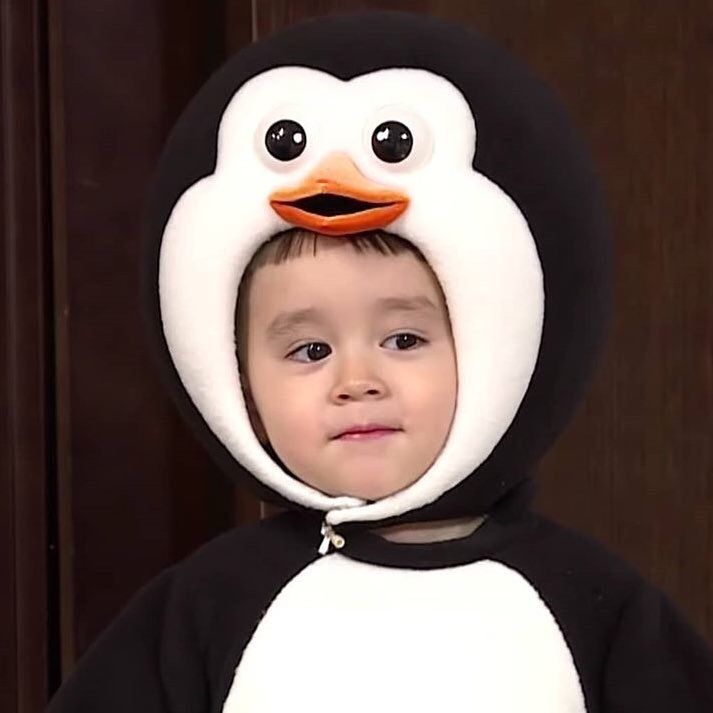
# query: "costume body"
[481,170]
[506,618]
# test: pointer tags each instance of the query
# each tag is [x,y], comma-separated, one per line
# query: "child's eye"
[405,342]
[317,349]
[318,352]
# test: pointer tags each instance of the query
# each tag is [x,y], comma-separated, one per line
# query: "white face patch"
[472,234]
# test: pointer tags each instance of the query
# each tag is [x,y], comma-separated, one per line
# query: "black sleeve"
[657,662]
[146,661]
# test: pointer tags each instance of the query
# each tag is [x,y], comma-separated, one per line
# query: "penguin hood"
[496,190]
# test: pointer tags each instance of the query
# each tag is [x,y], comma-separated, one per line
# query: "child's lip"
[367,435]
[372,430]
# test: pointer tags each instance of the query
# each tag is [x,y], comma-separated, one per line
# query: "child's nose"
[349,389]
[337,199]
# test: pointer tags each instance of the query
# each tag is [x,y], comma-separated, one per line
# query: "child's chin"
[371,491]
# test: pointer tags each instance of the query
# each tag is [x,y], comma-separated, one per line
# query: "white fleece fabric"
[349,636]
[473,235]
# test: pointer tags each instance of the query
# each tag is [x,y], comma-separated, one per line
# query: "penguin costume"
[311,610]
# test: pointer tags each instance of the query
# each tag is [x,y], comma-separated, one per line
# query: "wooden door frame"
[27,541]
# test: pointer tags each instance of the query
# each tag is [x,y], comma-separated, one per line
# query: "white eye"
[397,138]
[286,137]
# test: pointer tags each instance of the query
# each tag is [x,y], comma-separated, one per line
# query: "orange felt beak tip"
[336,199]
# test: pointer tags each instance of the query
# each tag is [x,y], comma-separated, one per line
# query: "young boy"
[363,370]
[417,313]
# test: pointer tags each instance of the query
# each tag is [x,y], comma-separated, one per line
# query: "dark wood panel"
[25,362]
[635,467]
[137,491]
[274,14]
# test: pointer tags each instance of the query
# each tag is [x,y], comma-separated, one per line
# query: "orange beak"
[336,199]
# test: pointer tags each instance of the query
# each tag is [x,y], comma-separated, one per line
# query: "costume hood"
[497,192]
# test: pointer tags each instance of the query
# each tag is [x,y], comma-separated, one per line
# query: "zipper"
[329,536]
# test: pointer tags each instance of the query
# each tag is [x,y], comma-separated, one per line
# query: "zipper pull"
[330,536]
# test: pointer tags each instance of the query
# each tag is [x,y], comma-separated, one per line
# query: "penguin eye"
[285,140]
[392,141]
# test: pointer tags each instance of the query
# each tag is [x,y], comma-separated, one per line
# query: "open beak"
[336,199]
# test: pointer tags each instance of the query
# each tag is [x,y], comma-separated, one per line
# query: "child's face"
[347,366]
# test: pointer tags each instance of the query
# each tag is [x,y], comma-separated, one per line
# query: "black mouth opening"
[330,204]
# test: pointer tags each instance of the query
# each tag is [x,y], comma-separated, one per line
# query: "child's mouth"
[367,435]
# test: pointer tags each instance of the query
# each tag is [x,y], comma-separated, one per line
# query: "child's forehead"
[280,305]
[344,271]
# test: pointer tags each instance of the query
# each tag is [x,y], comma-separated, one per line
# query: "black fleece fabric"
[175,647]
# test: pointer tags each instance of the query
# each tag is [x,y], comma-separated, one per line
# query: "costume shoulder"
[175,644]
[656,661]
[633,649]
[121,671]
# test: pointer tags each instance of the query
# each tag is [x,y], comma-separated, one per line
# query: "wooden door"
[103,485]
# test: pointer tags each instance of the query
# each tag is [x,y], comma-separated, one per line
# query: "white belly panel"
[353,637]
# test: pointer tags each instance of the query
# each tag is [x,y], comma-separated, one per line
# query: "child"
[422,386]
[391,273]
[414,398]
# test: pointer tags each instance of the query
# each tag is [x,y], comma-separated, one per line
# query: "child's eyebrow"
[284,322]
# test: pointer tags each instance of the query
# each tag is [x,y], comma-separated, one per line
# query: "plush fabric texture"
[471,233]
[605,641]
[521,614]
[525,269]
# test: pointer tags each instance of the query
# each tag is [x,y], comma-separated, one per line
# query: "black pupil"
[392,141]
[408,339]
[316,352]
[285,140]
